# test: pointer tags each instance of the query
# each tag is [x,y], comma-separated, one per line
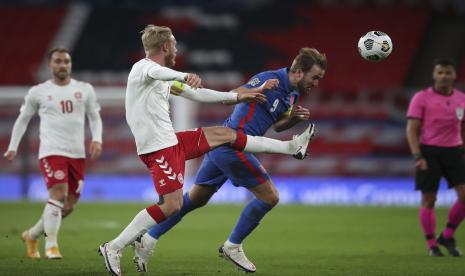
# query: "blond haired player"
[62,104]
[164,152]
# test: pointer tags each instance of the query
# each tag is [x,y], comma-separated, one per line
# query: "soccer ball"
[375,46]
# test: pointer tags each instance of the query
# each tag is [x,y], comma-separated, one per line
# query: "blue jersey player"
[242,168]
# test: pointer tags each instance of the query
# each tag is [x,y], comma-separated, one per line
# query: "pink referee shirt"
[441,115]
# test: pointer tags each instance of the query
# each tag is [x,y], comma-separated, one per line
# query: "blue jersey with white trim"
[254,118]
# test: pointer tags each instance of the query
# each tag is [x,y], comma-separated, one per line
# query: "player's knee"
[226,134]
[66,211]
[428,202]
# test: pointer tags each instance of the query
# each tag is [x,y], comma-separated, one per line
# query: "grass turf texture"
[292,240]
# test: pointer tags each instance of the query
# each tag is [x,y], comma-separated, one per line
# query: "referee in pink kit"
[435,135]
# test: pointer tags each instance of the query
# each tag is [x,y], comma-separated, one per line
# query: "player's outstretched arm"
[212,96]
[158,72]
[295,115]
[250,94]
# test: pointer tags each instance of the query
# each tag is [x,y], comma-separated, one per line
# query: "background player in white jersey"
[62,104]
[150,84]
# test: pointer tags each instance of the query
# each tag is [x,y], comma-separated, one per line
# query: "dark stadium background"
[359,107]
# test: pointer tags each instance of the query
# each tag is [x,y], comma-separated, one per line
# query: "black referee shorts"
[442,161]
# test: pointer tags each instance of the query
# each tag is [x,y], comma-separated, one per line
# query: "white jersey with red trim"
[62,112]
[147,105]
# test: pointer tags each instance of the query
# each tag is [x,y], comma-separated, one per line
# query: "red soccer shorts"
[60,169]
[167,165]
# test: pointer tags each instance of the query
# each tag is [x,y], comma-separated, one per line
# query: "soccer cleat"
[303,140]
[450,244]
[53,253]
[236,256]
[142,252]
[31,245]
[111,258]
[435,252]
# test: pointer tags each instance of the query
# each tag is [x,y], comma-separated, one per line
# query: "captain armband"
[288,112]
[177,88]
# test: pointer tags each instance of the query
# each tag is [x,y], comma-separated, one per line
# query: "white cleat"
[142,253]
[303,140]
[112,259]
[236,256]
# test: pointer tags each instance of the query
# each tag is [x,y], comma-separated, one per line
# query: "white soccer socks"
[139,225]
[52,221]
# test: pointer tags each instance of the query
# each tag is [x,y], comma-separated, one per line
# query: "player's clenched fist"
[193,80]
[95,149]
[269,84]
[9,155]
[300,113]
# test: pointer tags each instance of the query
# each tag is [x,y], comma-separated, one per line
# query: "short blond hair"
[308,57]
[153,37]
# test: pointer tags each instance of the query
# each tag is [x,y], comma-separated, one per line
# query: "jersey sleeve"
[158,72]
[416,107]
[257,80]
[30,104]
[27,110]
[93,115]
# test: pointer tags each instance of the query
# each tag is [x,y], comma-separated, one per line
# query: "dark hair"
[444,62]
[57,49]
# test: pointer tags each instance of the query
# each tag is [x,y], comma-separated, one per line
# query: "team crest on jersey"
[78,95]
[254,81]
[49,97]
[59,175]
[459,113]
[180,178]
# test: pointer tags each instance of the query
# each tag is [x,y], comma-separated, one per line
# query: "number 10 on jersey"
[66,106]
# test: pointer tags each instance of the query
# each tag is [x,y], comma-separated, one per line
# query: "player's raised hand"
[247,96]
[9,155]
[95,149]
[300,113]
[267,85]
[193,80]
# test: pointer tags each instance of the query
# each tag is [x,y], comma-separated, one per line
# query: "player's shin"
[143,221]
[454,218]
[52,222]
[37,230]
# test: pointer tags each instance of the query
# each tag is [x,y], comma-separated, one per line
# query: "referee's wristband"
[417,156]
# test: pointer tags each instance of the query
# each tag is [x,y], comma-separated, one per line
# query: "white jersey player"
[62,104]
[163,151]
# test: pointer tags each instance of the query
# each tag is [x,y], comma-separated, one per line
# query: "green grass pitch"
[292,240]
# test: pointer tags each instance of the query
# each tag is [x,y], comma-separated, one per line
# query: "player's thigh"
[453,164]
[243,169]
[167,169]
[193,143]
[55,172]
[217,136]
[76,176]
[266,192]
[427,181]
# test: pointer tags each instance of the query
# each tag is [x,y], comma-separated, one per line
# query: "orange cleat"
[53,253]
[31,245]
